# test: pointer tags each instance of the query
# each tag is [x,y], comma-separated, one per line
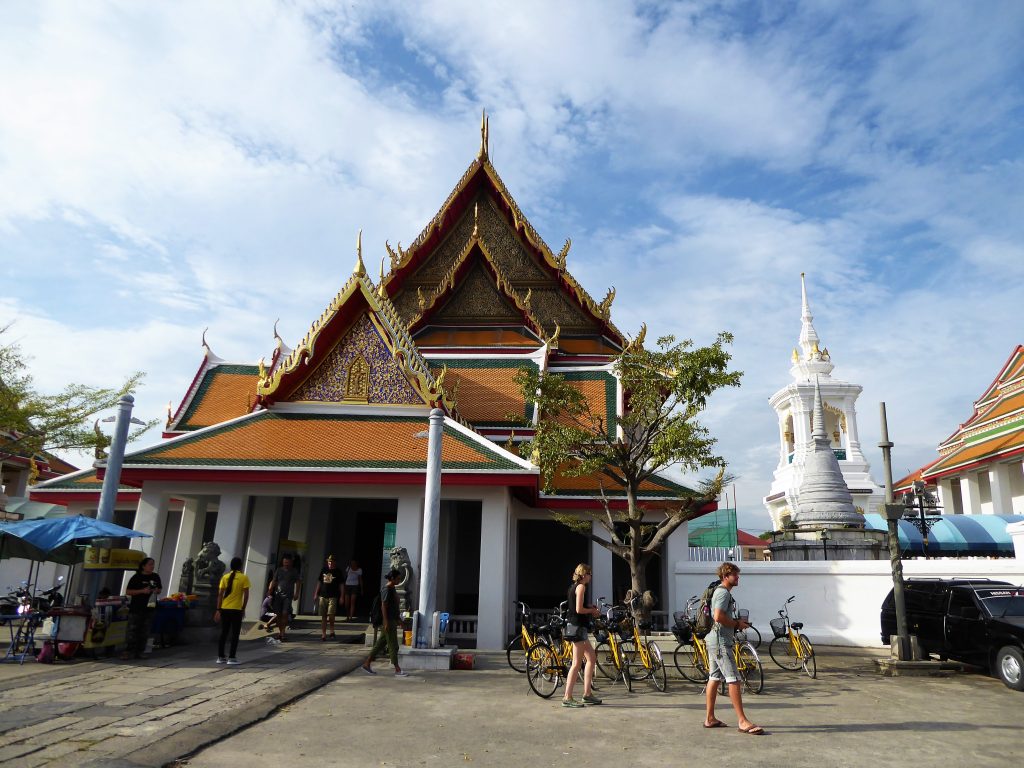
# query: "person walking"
[284,588]
[720,642]
[577,624]
[388,637]
[353,588]
[232,597]
[141,587]
[326,596]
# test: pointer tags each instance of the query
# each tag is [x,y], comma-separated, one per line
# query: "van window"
[961,603]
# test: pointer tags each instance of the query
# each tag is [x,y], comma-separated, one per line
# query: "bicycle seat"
[797,625]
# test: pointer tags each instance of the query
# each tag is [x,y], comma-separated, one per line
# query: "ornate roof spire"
[360,270]
[485,135]
[825,499]
[810,359]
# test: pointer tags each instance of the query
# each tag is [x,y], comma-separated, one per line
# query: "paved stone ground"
[849,716]
[149,712]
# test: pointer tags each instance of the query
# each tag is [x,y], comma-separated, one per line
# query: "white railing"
[716,554]
[461,628]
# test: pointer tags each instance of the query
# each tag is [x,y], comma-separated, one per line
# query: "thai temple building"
[979,470]
[320,448]
[811,369]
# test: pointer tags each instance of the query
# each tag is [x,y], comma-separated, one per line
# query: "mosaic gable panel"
[478,298]
[551,306]
[385,383]
[512,258]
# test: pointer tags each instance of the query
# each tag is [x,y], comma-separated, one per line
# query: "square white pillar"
[409,533]
[316,546]
[492,607]
[999,482]
[944,491]
[263,533]
[193,516]
[151,518]
[677,549]
[970,493]
[231,523]
[601,559]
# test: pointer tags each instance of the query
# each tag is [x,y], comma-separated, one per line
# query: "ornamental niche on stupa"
[811,369]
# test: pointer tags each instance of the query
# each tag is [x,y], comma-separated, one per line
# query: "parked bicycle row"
[715,640]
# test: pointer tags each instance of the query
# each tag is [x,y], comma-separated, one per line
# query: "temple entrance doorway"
[361,530]
[458,558]
[548,554]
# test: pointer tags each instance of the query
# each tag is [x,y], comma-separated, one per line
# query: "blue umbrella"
[49,534]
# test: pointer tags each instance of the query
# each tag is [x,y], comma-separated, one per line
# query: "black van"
[972,620]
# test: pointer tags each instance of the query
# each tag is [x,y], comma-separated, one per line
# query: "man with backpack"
[720,608]
[384,614]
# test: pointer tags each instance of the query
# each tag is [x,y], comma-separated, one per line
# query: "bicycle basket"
[778,627]
[624,632]
[682,634]
[601,635]
[616,615]
[680,618]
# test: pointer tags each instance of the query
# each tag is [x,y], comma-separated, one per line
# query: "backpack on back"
[376,612]
[705,621]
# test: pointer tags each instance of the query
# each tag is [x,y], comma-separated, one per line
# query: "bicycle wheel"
[606,661]
[542,670]
[683,659]
[753,636]
[632,661]
[515,652]
[658,673]
[809,664]
[783,653]
[750,669]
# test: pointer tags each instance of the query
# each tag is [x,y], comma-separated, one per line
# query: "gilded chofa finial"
[484,135]
[360,270]
[476,219]
[380,283]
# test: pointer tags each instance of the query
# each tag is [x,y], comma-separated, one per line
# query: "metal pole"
[924,521]
[112,477]
[431,526]
[892,515]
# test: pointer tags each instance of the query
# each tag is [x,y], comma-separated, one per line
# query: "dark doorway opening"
[356,530]
[458,588]
[548,554]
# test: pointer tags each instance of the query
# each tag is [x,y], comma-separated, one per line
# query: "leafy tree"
[32,422]
[665,390]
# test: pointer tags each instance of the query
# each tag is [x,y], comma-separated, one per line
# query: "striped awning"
[954,535]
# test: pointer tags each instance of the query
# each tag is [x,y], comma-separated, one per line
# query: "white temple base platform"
[841,544]
[426,658]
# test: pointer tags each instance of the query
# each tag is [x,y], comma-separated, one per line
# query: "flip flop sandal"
[754,730]
[716,724]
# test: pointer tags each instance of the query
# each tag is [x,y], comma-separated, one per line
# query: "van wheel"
[1009,667]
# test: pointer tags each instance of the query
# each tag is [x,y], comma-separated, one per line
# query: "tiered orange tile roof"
[225,392]
[485,389]
[290,440]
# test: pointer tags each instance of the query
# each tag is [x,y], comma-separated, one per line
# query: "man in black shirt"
[328,592]
[389,632]
[141,587]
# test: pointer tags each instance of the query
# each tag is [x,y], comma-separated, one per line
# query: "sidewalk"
[149,712]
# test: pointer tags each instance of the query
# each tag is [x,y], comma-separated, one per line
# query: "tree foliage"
[665,390]
[32,422]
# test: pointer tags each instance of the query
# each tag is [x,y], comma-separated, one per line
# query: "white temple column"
[409,532]
[151,518]
[601,560]
[492,606]
[970,493]
[853,449]
[944,489]
[230,530]
[999,482]
[263,538]
[190,534]
[677,548]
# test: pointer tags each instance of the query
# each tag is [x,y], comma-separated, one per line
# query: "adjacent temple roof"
[994,431]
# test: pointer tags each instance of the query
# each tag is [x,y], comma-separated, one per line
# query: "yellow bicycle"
[610,632]
[548,661]
[790,649]
[644,660]
[518,646]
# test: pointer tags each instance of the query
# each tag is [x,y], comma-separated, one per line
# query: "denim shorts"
[723,664]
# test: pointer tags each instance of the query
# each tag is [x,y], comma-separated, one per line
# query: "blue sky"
[164,168]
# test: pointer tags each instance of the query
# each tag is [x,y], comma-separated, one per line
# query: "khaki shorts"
[723,664]
[328,606]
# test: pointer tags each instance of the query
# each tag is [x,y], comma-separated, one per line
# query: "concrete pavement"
[849,716]
[167,709]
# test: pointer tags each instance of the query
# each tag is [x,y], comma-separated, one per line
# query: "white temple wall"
[838,601]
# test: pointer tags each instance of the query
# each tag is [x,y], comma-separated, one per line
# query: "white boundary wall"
[838,601]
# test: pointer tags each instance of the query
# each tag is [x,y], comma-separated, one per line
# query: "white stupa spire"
[811,359]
